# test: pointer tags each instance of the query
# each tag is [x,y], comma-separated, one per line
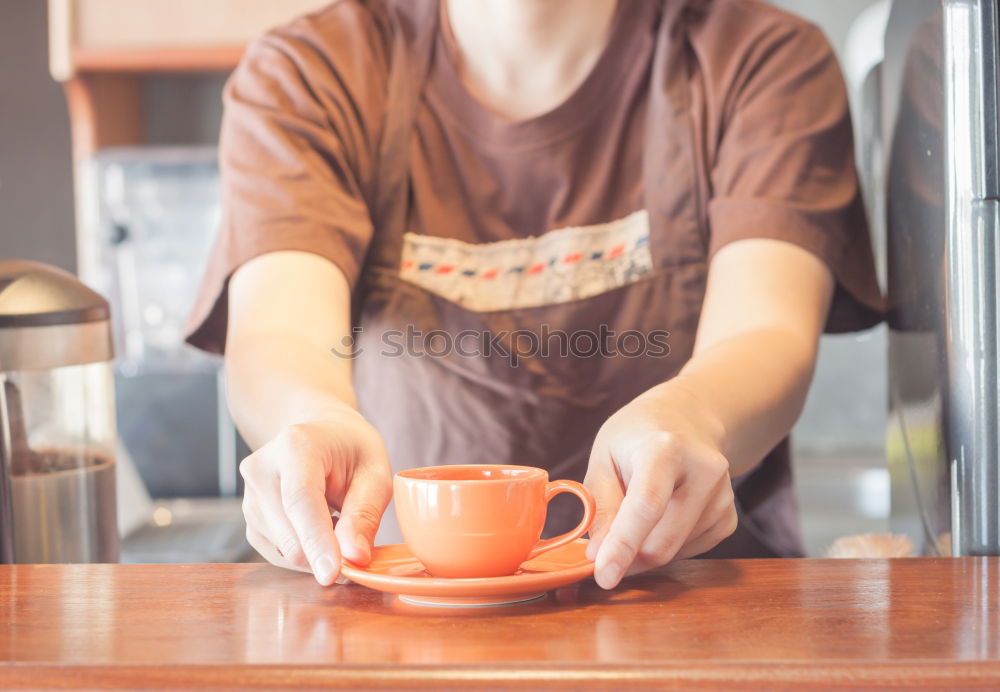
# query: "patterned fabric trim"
[556,267]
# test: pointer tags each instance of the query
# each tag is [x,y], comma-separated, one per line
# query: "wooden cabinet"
[103,51]
[100,50]
[159,35]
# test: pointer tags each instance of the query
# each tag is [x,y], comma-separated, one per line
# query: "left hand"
[661,483]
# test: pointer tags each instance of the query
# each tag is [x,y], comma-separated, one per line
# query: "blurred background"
[138,225]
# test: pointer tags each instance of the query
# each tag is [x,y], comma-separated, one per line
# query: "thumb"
[604,485]
[365,501]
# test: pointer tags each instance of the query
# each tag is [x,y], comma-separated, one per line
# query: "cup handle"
[553,488]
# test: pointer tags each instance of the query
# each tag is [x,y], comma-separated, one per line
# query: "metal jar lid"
[49,319]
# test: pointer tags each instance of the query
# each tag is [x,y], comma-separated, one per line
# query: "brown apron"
[437,410]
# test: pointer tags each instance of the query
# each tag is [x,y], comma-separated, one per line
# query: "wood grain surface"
[744,624]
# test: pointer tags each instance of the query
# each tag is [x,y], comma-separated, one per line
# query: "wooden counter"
[755,624]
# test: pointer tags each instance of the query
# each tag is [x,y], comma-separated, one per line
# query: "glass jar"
[57,419]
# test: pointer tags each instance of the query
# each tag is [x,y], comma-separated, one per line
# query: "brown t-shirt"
[497,266]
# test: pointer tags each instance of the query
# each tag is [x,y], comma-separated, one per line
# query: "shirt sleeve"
[293,153]
[785,167]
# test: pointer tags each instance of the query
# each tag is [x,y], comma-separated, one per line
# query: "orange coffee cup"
[480,520]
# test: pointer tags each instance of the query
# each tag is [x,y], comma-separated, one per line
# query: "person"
[601,237]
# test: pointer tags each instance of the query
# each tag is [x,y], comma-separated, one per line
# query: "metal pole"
[970,50]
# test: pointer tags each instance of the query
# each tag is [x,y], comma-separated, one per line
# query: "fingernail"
[325,570]
[353,548]
[607,576]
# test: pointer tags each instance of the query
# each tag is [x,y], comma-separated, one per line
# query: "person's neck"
[521,58]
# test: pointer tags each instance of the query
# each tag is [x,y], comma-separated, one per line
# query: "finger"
[667,538]
[304,503]
[604,485]
[721,529]
[693,509]
[366,499]
[712,536]
[261,492]
[270,519]
[263,546]
[646,500]
[266,549]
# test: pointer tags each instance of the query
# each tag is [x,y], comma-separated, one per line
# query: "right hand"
[294,481]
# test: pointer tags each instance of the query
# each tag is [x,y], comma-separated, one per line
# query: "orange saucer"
[393,569]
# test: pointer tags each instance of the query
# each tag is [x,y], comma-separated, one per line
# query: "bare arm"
[293,401]
[286,311]
[755,353]
[661,466]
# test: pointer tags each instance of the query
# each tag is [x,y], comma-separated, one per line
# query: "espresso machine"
[57,419]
